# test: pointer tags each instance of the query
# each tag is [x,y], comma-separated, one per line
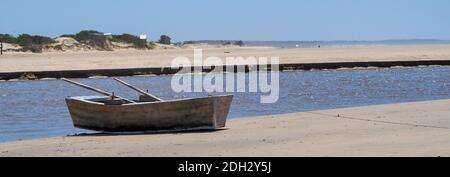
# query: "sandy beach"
[406,129]
[131,58]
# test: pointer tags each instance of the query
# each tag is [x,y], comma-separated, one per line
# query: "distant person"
[319,46]
[1,47]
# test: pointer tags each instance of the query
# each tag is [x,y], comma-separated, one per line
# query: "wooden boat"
[115,114]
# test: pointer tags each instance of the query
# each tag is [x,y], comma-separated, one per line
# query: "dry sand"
[131,58]
[407,129]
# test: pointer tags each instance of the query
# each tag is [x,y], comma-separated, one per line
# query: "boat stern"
[221,109]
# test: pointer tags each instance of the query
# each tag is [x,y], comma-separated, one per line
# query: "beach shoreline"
[404,129]
[21,65]
[132,58]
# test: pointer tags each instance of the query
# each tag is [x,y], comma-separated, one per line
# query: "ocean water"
[36,109]
[316,44]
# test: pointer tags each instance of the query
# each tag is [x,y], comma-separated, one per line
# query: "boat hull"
[186,114]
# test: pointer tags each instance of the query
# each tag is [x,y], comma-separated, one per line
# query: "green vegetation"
[68,35]
[87,35]
[6,38]
[151,45]
[91,38]
[100,41]
[164,39]
[128,38]
[94,39]
[33,43]
[28,40]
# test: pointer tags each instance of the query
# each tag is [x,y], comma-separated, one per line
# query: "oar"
[137,89]
[96,90]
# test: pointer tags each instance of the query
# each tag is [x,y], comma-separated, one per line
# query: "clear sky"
[233,19]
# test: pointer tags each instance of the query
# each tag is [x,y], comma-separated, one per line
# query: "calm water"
[35,109]
[315,44]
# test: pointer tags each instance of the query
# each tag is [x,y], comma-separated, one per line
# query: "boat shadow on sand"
[159,132]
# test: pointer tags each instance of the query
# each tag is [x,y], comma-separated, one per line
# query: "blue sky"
[234,19]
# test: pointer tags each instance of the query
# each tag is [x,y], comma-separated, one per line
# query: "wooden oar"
[96,90]
[137,89]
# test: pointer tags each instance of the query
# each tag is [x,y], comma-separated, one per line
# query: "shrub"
[164,39]
[68,35]
[94,39]
[128,38]
[27,40]
[6,38]
[151,45]
[86,35]
[33,43]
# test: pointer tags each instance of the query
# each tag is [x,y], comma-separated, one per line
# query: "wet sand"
[57,61]
[406,129]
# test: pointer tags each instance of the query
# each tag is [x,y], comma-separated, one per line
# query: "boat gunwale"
[79,98]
